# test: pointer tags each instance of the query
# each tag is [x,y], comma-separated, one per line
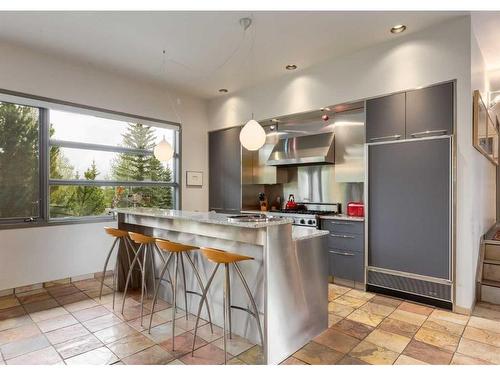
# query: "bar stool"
[121,236]
[147,247]
[178,252]
[222,257]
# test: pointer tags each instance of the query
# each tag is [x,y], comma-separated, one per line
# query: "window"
[61,162]
[19,161]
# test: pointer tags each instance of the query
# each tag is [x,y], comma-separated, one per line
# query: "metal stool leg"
[226,306]
[157,288]
[145,259]
[200,284]
[176,267]
[115,277]
[185,284]
[228,286]
[163,259]
[200,306]
[106,265]
[129,275]
[132,248]
[153,264]
[252,301]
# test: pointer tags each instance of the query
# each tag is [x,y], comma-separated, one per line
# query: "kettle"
[291,204]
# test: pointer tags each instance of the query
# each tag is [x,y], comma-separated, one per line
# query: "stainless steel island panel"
[296,291]
[288,278]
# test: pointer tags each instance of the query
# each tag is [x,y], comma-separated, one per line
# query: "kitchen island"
[288,276]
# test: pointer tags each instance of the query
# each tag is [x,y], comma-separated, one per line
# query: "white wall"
[478,180]
[41,254]
[434,55]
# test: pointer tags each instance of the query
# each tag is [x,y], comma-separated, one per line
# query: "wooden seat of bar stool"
[174,247]
[179,252]
[141,238]
[120,236]
[227,259]
[220,256]
[115,232]
[146,245]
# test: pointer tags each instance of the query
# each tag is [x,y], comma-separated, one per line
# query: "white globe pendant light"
[163,151]
[252,136]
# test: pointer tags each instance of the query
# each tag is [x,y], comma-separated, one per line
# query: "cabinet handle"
[342,236]
[428,132]
[395,136]
[337,223]
[341,253]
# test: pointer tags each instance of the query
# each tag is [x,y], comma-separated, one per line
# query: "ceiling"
[205,51]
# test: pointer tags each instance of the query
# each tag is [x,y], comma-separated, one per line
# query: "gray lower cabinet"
[345,249]
[224,170]
[346,265]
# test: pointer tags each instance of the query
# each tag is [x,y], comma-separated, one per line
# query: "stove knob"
[302,221]
[310,222]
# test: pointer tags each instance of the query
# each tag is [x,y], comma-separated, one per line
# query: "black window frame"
[44,106]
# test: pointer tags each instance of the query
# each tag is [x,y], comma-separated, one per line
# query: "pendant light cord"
[169,96]
[252,55]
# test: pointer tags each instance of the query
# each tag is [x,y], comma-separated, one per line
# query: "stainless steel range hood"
[305,150]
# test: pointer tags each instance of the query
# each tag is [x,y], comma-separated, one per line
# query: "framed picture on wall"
[194,178]
[485,131]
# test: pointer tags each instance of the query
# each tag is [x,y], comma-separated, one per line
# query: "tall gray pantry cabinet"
[409,219]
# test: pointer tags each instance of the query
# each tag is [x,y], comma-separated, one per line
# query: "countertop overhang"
[201,217]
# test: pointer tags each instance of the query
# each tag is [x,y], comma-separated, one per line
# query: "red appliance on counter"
[356,209]
[291,204]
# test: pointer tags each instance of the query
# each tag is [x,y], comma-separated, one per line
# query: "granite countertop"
[304,233]
[202,217]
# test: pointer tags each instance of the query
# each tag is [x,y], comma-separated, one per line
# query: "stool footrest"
[194,292]
[244,309]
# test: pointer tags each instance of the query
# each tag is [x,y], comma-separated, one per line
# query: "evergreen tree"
[87,200]
[143,167]
[60,168]
[19,158]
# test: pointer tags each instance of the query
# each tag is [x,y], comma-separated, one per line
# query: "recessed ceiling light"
[398,29]
[223,91]
[325,109]
[291,67]
[275,120]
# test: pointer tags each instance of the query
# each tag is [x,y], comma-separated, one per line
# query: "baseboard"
[462,310]
[51,283]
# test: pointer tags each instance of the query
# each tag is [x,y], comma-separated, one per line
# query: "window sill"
[56,222]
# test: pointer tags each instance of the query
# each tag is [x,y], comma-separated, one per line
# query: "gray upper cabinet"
[429,111]
[385,118]
[224,170]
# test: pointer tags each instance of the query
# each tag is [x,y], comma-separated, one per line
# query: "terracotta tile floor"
[68,324]
[366,328]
